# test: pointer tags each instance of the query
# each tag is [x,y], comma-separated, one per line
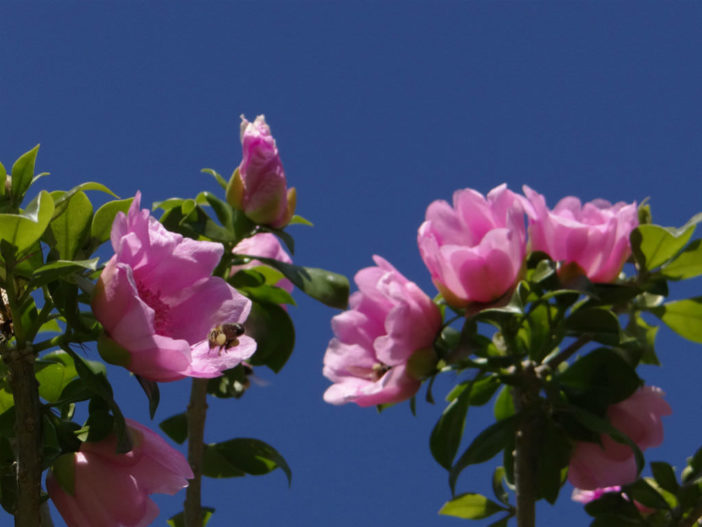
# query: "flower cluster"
[475,252]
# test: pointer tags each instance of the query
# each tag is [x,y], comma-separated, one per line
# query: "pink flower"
[594,466]
[595,235]
[157,300]
[97,486]
[390,321]
[265,245]
[259,187]
[475,249]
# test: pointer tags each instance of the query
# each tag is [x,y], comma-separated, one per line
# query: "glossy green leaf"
[152,392]
[270,326]
[683,316]
[331,289]
[101,225]
[654,245]
[448,431]
[497,487]
[176,427]
[71,226]
[687,264]
[54,372]
[554,455]
[60,269]
[22,175]
[22,230]
[642,492]
[470,507]
[504,404]
[233,383]
[222,209]
[299,220]
[665,476]
[485,446]
[243,456]
[218,177]
[599,379]
[599,322]
[3,178]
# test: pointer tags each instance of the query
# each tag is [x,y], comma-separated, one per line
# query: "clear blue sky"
[378,109]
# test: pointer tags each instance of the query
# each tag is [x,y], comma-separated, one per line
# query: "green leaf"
[244,455]
[599,379]
[483,390]
[22,175]
[101,225]
[176,427]
[504,404]
[297,219]
[3,178]
[654,245]
[497,487]
[270,326]
[54,372]
[22,230]
[71,225]
[222,209]
[61,269]
[645,494]
[665,476]
[485,446]
[554,455]
[599,322]
[687,264]
[152,392]
[448,431]
[222,182]
[179,519]
[683,316]
[471,507]
[329,288]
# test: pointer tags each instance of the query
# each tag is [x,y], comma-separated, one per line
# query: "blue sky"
[378,109]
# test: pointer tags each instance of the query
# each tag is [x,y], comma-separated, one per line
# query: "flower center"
[161,309]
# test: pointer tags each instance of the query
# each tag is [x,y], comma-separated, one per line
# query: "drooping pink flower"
[594,235]
[260,188]
[265,245]
[475,249]
[157,300]
[594,466]
[97,486]
[390,319]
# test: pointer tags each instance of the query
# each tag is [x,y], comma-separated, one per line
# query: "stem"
[526,399]
[197,412]
[25,391]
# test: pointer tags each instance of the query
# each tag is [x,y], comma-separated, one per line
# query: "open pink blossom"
[259,188]
[97,486]
[157,300]
[475,249]
[594,466]
[594,235]
[390,319]
[265,245]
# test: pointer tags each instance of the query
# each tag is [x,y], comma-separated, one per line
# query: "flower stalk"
[196,415]
[526,400]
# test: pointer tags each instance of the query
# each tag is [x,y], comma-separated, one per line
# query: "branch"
[196,414]
[25,392]
[567,353]
[526,399]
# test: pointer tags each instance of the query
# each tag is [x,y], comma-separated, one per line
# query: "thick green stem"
[25,390]
[197,413]
[526,399]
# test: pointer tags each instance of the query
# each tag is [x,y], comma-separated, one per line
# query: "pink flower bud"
[475,249]
[97,486]
[594,466]
[159,304]
[390,321]
[258,187]
[595,236]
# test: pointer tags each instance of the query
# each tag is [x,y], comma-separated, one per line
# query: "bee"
[225,336]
